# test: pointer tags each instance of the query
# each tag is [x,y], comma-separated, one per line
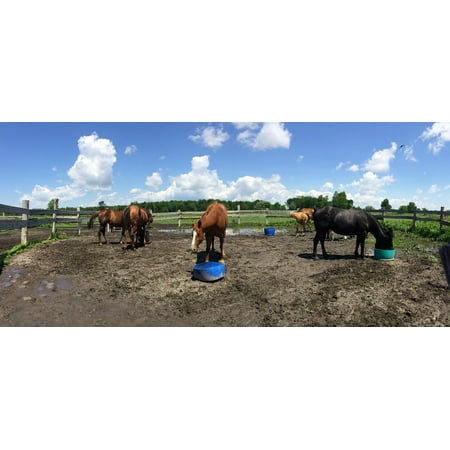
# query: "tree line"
[339,200]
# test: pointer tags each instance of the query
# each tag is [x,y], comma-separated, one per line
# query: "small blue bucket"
[269,231]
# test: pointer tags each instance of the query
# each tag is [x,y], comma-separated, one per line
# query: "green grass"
[428,230]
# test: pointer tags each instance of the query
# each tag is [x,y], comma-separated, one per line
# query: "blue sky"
[84,163]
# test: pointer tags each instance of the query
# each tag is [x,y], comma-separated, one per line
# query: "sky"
[122,162]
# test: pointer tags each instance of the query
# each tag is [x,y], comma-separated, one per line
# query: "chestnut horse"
[135,221]
[302,220]
[350,222]
[213,223]
[105,217]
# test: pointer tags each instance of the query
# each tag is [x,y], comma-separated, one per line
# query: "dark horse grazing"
[135,221]
[350,222]
[213,222]
[105,217]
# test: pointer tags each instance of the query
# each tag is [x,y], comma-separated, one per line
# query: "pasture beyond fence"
[23,218]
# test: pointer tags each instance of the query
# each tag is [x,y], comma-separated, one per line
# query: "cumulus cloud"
[93,168]
[210,136]
[271,135]
[203,182]
[381,159]
[41,195]
[154,180]
[371,183]
[438,134]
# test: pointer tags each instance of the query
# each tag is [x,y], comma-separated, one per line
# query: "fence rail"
[28,217]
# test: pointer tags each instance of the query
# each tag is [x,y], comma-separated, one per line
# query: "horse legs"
[320,236]
[360,241]
[222,253]
[209,241]
[101,231]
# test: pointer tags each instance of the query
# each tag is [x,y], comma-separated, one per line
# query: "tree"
[101,204]
[386,205]
[340,200]
[51,204]
[411,207]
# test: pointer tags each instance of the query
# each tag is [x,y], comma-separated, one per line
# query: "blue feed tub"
[269,231]
[383,255]
[209,271]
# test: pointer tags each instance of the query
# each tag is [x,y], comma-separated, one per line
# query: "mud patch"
[270,281]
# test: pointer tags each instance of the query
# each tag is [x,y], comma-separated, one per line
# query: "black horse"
[350,222]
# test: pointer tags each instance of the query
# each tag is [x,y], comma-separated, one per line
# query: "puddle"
[231,231]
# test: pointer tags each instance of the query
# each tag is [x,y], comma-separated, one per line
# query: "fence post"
[414,218]
[267,217]
[441,219]
[25,216]
[239,214]
[78,221]
[55,207]
[180,216]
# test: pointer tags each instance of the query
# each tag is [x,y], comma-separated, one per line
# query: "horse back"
[214,219]
[341,221]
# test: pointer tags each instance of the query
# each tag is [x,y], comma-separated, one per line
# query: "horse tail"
[91,220]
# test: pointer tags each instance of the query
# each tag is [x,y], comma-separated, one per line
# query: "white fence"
[28,217]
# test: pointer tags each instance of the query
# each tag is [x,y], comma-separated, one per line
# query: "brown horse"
[302,220]
[213,223]
[105,217]
[135,221]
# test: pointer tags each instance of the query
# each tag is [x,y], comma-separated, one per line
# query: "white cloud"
[249,125]
[154,180]
[371,183]
[93,167]
[202,182]
[271,135]
[130,150]
[91,171]
[41,195]
[408,152]
[439,134]
[300,158]
[381,159]
[210,136]
[328,186]
[339,166]
[353,168]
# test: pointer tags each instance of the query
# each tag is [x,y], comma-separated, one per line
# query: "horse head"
[198,235]
[385,240]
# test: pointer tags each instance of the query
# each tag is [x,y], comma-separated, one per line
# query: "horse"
[302,220]
[350,222]
[135,221]
[309,211]
[212,223]
[105,217]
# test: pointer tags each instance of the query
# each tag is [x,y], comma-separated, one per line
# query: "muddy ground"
[270,281]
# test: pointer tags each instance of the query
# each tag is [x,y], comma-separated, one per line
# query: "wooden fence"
[28,217]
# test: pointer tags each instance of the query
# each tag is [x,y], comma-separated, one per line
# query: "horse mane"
[374,224]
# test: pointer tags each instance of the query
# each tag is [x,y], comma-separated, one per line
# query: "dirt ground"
[270,281]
